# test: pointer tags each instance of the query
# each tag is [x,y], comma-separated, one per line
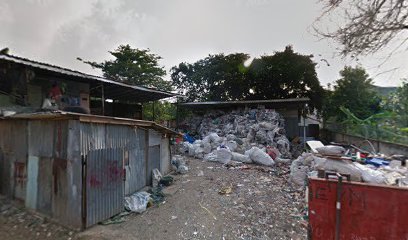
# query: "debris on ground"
[166,181]
[137,202]
[258,204]
[247,136]
[156,177]
[361,167]
[119,218]
[16,223]
[179,164]
[225,190]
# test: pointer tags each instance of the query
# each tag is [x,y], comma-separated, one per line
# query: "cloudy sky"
[58,31]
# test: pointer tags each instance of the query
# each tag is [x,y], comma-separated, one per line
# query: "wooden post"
[177,114]
[154,112]
[103,100]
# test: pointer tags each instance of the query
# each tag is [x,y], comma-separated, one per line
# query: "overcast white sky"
[58,31]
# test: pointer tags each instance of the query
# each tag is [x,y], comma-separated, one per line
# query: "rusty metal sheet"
[13,158]
[104,185]
[153,162]
[366,211]
[128,138]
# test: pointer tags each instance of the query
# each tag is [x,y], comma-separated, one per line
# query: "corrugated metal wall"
[13,158]
[105,138]
[55,170]
[153,162]
[40,164]
[104,184]
[135,164]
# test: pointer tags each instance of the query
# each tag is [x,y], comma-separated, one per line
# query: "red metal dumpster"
[367,211]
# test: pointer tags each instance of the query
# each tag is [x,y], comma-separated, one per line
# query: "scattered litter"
[119,218]
[166,181]
[259,156]
[206,209]
[200,173]
[225,190]
[331,150]
[313,145]
[156,177]
[180,164]
[137,202]
[157,195]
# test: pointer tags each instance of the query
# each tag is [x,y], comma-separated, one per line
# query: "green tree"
[284,74]
[354,91]
[398,103]
[216,77]
[163,111]
[134,66]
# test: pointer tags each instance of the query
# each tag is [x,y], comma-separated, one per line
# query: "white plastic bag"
[260,157]
[223,155]
[331,150]
[370,175]
[137,202]
[212,157]
[240,157]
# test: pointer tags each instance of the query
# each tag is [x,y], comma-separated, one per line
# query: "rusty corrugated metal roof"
[57,115]
[220,104]
[137,92]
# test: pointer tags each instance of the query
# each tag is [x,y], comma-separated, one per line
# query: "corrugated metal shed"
[113,89]
[77,168]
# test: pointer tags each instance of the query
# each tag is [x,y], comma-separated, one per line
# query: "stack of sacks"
[248,136]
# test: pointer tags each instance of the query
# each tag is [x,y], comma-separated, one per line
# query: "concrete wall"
[381,146]
[165,165]
[156,138]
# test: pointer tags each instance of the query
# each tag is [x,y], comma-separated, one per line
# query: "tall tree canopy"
[134,66]
[397,102]
[365,26]
[284,74]
[216,77]
[354,91]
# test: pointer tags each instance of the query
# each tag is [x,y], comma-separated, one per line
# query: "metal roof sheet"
[149,93]
[59,115]
[216,104]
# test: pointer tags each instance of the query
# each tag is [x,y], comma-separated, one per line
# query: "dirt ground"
[261,205]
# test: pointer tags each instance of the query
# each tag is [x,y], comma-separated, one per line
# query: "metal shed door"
[104,185]
[153,162]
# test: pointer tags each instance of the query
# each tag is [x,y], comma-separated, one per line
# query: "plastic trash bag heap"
[248,136]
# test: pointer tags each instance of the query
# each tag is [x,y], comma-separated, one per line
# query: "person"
[55,92]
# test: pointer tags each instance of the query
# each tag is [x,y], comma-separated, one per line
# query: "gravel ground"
[18,224]
[254,203]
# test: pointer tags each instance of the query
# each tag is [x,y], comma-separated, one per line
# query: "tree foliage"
[354,91]
[133,66]
[163,111]
[216,77]
[284,74]
[398,103]
[366,25]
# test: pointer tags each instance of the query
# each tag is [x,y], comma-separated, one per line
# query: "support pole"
[103,100]
[177,114]
[154,112]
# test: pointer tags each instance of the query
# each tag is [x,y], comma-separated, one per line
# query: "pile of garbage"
[247,136]
[332,159]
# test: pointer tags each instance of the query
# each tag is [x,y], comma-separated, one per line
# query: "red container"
[367,211]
